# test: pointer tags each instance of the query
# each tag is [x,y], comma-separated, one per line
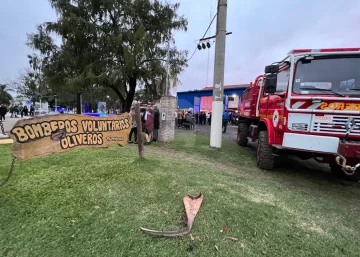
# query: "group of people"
[203,118]
[184,119]
[15,111]
[187,119]
[150,122]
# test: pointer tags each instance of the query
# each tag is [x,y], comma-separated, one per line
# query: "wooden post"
[139,131]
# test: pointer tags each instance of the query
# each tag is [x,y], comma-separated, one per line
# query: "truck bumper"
[311,143]
[350,149]
[322,144]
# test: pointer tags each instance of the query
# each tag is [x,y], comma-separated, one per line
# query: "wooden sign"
[45,135]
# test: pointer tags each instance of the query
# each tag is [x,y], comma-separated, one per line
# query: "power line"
[203,36]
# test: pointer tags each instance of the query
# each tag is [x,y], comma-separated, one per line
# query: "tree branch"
[117,91]
[149,60]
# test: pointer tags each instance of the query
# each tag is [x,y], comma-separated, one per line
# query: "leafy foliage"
[116,44]
[5,96]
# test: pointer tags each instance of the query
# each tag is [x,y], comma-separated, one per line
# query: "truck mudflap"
[348,150]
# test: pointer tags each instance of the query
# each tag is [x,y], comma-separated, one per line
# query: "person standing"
[187,122]
[26,110]
[176,119]
[134,126]
[16,111]
[156,124]
[180,117]
[22,111]
[144,117]
[149,126]
[3,112]
[32,110]
[225,120]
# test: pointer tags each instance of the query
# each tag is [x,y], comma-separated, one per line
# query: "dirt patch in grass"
[194,159]
[255,195]
[312,227]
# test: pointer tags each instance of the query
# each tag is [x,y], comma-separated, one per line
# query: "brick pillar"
[167,105]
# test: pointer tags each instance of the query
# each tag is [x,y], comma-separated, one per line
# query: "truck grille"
[336,126]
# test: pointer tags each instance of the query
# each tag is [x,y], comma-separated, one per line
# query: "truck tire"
[265,156]
[337,171]
[242,134]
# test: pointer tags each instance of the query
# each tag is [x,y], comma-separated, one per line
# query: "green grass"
[49,206]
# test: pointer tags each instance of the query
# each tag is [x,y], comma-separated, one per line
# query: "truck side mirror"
[272,69]
[270,83]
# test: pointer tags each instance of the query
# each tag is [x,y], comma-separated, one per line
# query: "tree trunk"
[78,103]
[130,96]
[139,131]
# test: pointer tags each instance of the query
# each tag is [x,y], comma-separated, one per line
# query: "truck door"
[276,102]
[263,100]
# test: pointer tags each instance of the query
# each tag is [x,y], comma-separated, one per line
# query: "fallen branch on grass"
[192,207]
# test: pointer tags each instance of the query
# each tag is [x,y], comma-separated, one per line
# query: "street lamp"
[55,103]
[40,96]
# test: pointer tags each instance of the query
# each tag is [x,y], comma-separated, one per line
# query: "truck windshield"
[340,76]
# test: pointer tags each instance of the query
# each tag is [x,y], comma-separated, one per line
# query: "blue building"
[201,100]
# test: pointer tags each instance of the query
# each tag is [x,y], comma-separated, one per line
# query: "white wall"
[234,104]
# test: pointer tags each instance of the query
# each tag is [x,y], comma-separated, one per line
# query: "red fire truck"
[308,104]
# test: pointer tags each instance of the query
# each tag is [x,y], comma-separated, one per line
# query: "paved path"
[8,125]
[10,122]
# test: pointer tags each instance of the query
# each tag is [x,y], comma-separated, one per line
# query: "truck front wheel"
[242,134]
[337,171]
[265,156]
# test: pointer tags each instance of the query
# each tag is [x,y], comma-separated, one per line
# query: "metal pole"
[208,64]
[218,87]
[55,104]
[167,70]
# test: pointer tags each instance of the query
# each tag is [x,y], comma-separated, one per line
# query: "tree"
[31,82]
[5,96]
[116,44]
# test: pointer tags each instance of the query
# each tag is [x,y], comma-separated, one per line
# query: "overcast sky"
[262,34]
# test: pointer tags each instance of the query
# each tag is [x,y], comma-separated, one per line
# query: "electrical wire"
[203,36]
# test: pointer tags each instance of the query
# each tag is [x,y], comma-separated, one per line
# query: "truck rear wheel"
[242,134]
[265,157]
[337,171]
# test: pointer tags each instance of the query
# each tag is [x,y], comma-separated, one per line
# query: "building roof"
[230,86]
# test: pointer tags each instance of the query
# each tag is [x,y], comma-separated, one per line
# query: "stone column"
[167,105]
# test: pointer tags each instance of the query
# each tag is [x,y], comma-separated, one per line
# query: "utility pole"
[167,69]
[55,103]
[219,66]
[207,70]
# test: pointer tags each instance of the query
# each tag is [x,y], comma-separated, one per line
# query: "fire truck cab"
[309,104]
